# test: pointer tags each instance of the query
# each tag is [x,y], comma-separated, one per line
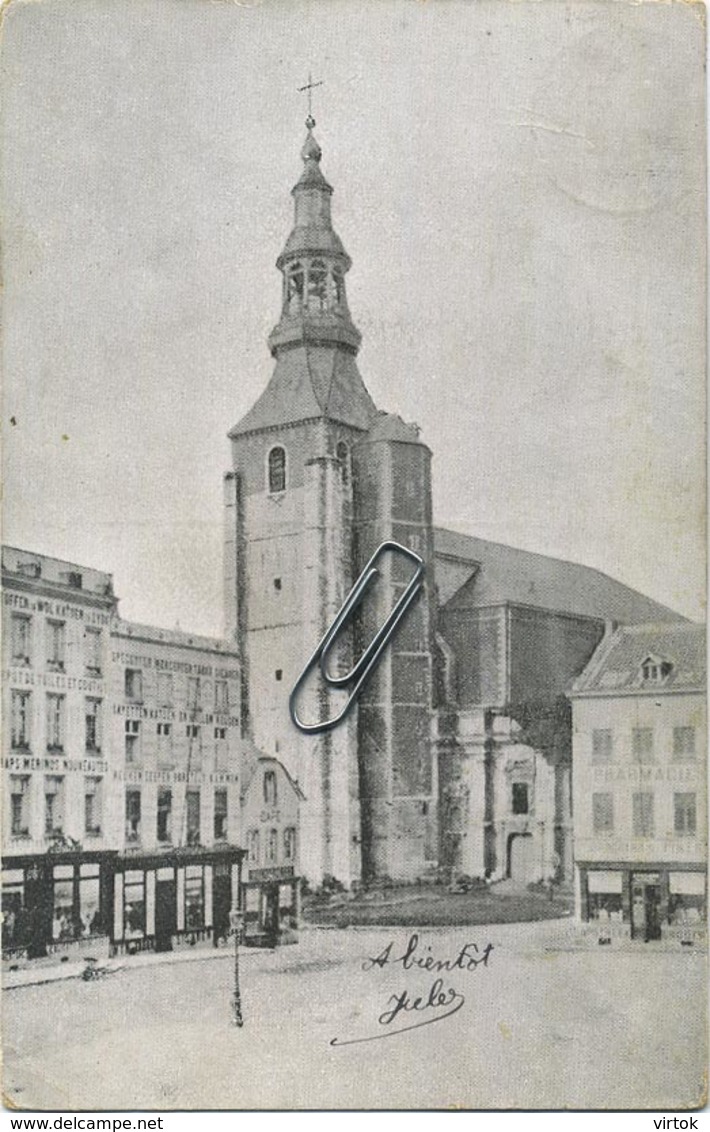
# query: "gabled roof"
[310,382]
[618,662]
[501,574]
[259,762]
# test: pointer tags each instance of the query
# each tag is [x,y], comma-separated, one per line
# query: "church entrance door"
[521,858]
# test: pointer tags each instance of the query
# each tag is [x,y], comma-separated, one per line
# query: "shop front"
[644,902]
[272,906]
[57,904]
[170,901]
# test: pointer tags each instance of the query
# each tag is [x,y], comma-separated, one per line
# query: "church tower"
[319,479]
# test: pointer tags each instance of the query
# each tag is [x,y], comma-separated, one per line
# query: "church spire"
[313,264]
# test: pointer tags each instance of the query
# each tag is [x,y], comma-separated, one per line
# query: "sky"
[521,187]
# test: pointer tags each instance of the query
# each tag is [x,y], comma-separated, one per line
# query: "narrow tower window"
[277,470]
[294,288]
[317,286]
[342,453]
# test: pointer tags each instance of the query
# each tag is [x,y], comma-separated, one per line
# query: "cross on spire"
[309,86]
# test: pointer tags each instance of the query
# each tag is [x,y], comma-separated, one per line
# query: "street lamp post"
[236,920]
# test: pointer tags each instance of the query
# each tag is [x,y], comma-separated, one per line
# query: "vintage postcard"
[354,746]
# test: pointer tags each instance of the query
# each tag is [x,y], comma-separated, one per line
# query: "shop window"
[64,925]
[92,806]
[164,828]
[76,901]
[686,905]
[642,807]
[165,689]
[56,645]
[601,745]
[253,846]
[53,806]
[132,729]
[133,684]
[684,815]
[194,898]
[277,470]
[192,806]
[134,904]
[521,801]
[21,702]
[270,787]
[684,744]
[290,843]
[133,816]
[604,895]
[193,692]
[15,926]
[221,696]
[220,815]
[605,906]
[92,725]
[19,805]
[21,638]
[603,813]
[55,722]
[89,900]
[272,846]
[642,744]
[92,651]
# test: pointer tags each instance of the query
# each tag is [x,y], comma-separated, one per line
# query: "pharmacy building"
[640,786]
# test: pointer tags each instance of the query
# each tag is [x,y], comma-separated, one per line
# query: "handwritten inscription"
[440,1001]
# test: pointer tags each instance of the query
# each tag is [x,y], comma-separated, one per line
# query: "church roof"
[473,573]
[389,426]
[617,665]
[308,382]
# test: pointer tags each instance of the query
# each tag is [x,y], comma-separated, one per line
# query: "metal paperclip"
[361,670]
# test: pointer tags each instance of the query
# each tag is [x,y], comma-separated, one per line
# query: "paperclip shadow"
[361,669]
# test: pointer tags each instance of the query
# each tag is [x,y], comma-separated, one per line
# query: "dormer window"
[29,569]
[655,671]
[277,470]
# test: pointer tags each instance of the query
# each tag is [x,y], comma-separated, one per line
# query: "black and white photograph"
[354,555]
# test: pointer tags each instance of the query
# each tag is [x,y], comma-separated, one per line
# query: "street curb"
[132,963]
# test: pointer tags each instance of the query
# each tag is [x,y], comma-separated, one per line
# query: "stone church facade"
[457,755]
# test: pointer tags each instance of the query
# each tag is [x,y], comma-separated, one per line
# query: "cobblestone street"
[621,1029]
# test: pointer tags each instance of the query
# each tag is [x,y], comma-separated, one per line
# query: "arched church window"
[277,470]
[294,288]
[317,286]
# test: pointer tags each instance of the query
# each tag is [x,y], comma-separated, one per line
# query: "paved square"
[537,1028]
